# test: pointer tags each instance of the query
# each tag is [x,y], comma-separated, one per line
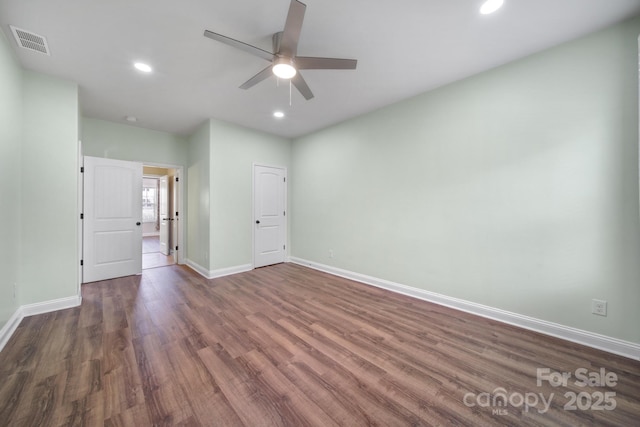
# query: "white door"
[269,202]
[165,216]
[112,236]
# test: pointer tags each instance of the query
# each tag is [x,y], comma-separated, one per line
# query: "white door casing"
[165,215]
[269,204]
[175,215]
[112,237]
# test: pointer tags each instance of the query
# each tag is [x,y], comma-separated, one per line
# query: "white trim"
[181,220]
[32,309]
[197,268]
[590,339]
[80,197]
[52,305]
[10,327]
[221,272]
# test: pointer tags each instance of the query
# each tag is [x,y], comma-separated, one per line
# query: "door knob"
[257,221]
[138,223]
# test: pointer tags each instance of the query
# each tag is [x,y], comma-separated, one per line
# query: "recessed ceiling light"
[141,66]
[491,6]
[278,114]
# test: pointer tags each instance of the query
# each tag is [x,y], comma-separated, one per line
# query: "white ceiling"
[403,47]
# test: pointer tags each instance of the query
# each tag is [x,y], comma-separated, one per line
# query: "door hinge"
[284,213]
[81,216]
[176,248]
[284,179]
[82,169]
[284,246]
[176,213]
[81,262]
[177,179]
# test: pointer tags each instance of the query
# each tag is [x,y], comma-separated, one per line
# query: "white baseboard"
[10,327]
[590,339]
[221,272]
[49,306]
[32,309]
[197,268]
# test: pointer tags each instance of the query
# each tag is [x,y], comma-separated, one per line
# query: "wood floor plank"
[214,409]
[87,411]
[287,346]
[10,393]
[332,400]
[249,401]
[134,416]
[295,407]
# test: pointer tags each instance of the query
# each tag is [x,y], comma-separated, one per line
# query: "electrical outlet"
[599,307]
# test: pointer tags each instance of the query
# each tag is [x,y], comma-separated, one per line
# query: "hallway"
[151,255]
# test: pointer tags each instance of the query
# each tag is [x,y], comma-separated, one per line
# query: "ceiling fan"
[284,60]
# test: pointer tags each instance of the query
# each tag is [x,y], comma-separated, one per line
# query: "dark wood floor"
[285,345]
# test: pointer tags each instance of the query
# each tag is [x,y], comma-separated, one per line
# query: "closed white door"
[269,201]
[112,226]
[165,215]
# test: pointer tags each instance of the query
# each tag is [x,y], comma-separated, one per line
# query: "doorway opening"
[159,216]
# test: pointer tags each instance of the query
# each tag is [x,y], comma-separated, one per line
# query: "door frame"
[79,215]
[253,211]
[182,214]
[181,223]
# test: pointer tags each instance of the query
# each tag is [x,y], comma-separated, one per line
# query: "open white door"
[165,216]
[269,202]
[112,237]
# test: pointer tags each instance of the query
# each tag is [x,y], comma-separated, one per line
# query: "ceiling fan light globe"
[490,6]
[284,70]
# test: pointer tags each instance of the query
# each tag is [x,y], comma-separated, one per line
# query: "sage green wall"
[10,139]
[198,196]
[234,149]
[49,187]
[516,188]
[101,138]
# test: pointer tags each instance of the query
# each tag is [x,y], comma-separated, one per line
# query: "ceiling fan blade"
[292,28]
[302,86]
[240,45]
[313,63]
[262,75]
